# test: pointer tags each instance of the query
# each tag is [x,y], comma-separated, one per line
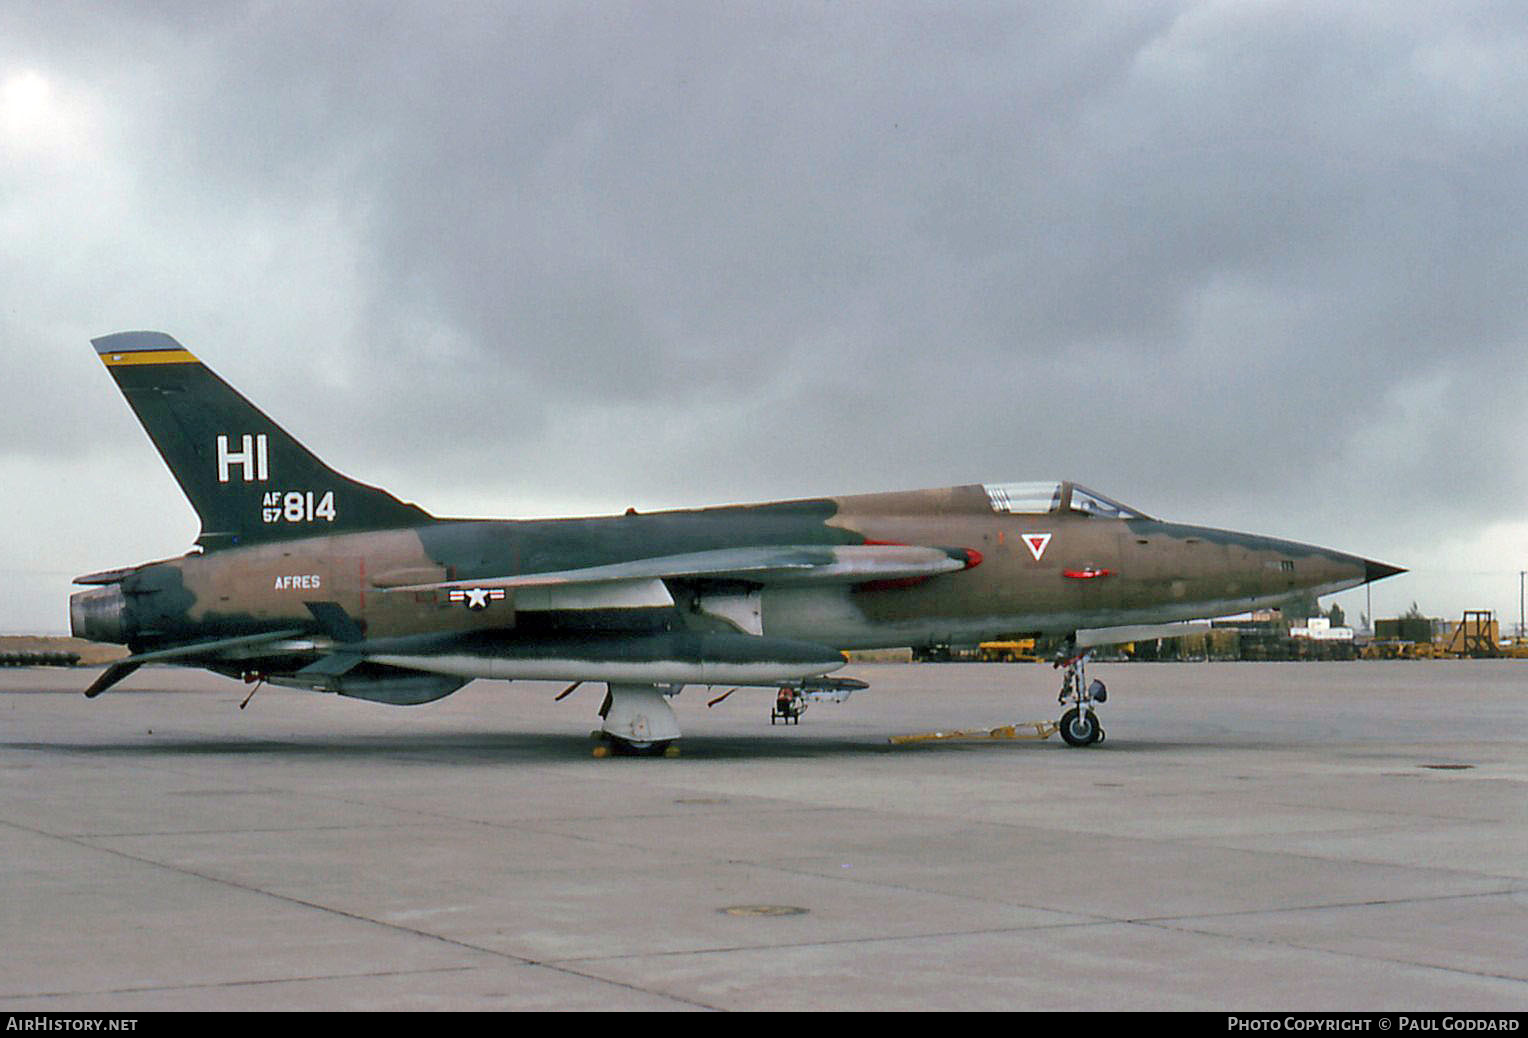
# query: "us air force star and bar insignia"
[477,598]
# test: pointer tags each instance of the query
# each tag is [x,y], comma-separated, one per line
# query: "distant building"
[1320,629]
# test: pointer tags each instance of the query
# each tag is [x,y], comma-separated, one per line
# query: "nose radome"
[1379,571]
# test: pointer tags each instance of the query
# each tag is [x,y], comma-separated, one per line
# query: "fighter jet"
[305,578]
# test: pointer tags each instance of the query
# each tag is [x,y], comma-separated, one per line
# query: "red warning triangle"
[1036,543]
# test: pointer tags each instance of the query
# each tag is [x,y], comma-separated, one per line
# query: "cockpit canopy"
[1049,497]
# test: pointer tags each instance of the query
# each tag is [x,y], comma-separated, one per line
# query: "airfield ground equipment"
[1021,650]
[1078,726]
[788,707]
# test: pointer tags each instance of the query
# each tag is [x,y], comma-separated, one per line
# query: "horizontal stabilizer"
[110,676]
[110,576]
[331,666]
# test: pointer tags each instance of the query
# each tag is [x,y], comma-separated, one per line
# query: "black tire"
[1080,728]
[626,748]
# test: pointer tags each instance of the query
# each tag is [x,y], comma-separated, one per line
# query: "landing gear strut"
[1079,725]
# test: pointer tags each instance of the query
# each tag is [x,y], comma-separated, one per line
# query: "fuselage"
[1070,562]
[312,579]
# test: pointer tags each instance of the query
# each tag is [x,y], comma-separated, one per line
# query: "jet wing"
[639,583]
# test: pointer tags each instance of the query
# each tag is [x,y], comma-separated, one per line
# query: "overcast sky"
[1253,265]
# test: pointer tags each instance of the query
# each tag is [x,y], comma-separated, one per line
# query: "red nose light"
[973,558]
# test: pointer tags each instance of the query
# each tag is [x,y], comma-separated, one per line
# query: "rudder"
[248,479]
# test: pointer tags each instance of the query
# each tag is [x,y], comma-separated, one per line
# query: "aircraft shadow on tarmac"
[511,748]
[506,748]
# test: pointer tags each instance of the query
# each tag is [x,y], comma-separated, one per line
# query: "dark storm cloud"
[830,217]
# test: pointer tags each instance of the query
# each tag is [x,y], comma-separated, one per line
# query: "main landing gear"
[1079,724]
[638,722]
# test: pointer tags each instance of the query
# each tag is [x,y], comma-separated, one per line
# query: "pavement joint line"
[1373,862]
[518,824]
[1083,917]
[1088,918]
[603,840]
[937,935]
[342,913]
[297,830]
[1400,816]
[1233,844]
[1273,942]
[558,827]
[1080,924]
[1325,906]
[1169,841]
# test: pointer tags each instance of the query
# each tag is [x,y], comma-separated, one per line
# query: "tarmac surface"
[1283,837]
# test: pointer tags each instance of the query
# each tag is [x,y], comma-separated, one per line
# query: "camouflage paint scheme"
[308,578]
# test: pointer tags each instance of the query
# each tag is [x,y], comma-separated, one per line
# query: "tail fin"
[247,478]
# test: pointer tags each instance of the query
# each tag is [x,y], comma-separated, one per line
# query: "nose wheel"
[1079,724]
[1080,727]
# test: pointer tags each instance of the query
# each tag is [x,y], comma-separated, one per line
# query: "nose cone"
[1279,568]
[1324,571]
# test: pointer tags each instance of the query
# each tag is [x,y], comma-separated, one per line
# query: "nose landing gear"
[1079,724]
